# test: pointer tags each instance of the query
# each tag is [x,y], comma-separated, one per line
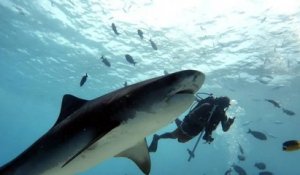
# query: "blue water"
[249,51]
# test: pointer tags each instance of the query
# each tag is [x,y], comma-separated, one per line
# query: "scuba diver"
[205,116]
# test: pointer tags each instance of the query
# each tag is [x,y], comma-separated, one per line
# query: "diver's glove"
[208,138]
[231,120]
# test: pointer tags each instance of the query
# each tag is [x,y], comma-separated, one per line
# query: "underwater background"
[248,49]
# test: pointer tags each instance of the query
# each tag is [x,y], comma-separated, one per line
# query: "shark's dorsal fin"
[69,104]
[139,154]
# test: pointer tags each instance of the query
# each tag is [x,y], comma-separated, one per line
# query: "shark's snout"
[191,82]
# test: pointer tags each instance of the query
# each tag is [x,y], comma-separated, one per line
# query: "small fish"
[265,173]
[239,170]
[271,136]
[258,135]
[83,79]
[278,122]
[105,61]
[288,112]
[247,123]
[275,103]
[140,33]
[166,72]
[130,59]
[263,20]
[263,81]
[241,149]
[291,145]
[228,172]
[125,84]
[113,26]
[269,76]
[52,3]
[277,87]
[153,45]
[260,165]
[241,157]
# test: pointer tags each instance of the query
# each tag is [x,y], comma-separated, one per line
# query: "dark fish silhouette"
[275,103]
[105,61]
[278,122]
[113,26]
[291,145]
[153,45]
[130,59]
[265,173]
[260,165]
[271,136]
[241,157]
[263,81]
[263,20]
[241,149]
[258,135]
[239,170]
[83,79]
[247,123]
[228,172]
[277,87]
[52,3]
[125,84]
[140,33]
[288,112]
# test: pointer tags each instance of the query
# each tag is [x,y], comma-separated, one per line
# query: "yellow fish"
[291,145]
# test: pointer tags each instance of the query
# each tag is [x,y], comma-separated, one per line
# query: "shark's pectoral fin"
[79,152]
[139,155]
[89,145]
[69,104]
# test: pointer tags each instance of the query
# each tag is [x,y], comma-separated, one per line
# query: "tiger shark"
[87,132]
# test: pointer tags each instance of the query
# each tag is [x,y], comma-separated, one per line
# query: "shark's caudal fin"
[139,155]
[69,104]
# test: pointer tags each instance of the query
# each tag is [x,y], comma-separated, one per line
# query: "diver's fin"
[69,104]
[139,155]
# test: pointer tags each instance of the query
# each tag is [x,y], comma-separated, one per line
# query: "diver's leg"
[168,135]
[178,122]
[154,143]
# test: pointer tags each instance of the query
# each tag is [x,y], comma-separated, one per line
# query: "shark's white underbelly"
[125,136]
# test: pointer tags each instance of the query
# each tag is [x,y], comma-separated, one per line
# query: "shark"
[116,124]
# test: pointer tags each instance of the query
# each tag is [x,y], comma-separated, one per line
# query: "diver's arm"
[226,123]
[207,136]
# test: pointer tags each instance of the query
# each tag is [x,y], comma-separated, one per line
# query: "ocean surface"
[248,49]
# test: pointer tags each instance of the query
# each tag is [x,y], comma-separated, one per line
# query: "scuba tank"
[199,100]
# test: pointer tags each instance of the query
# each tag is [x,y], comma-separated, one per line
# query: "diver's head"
[223,102]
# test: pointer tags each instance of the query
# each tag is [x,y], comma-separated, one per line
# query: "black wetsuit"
[197,119]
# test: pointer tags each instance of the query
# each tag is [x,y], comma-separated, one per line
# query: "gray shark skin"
[88,132]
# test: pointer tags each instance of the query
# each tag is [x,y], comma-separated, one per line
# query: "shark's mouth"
[185,91]
[180,92]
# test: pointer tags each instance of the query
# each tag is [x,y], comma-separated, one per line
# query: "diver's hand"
[208,138]
[231,120]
